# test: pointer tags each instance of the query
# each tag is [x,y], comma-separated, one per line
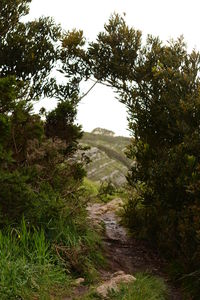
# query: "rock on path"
[113,283]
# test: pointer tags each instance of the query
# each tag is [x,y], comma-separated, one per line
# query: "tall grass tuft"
[27,265]
[79,248]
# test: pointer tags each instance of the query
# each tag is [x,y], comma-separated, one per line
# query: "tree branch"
[84,95]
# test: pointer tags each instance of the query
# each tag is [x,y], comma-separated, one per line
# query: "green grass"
[90,188]
[28,267]
[146,287]
[34,267]
[80,248]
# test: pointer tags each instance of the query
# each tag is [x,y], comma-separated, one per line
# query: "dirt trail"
[125,253]
[122,252]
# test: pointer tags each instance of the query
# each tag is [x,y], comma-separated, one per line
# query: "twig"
[14,142]
[84,95]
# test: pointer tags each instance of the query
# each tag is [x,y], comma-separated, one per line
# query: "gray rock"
[113,283]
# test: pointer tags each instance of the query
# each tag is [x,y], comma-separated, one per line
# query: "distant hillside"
[108,161]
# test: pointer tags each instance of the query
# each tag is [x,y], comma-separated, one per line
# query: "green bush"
[90,188]
[40,176]
[176,234]
[164,109]
[107,191]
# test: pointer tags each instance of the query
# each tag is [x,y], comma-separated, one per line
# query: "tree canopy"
[32,149]
[159,84]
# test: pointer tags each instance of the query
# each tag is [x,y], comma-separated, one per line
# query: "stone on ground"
[79,281]
[113,283]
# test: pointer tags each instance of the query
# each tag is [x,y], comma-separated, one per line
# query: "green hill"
[108,160]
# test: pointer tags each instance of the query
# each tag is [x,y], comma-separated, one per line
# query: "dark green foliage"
[35,170]
[28,50]
[59,123]
[8,94]
[107,191]
[159,83]
[113,55]
[166,150]
[11,11]
[107,188]
[40,177]
[74,57]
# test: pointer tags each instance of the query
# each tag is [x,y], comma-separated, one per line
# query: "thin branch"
[84,95]
[14,142]
[103,83]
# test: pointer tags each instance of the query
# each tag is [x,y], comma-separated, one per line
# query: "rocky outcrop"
[103,131]
[108,161]
[79,281]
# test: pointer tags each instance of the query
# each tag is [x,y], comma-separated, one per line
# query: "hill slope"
[108,161]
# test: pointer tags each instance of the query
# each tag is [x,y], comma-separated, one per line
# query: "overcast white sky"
[166,19]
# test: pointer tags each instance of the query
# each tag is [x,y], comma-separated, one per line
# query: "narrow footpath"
[123,253]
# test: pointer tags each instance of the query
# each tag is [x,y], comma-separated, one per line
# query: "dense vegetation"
[42,204]
[159,83]
[43,236]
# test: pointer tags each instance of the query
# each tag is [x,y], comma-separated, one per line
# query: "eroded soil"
[122,252]
[125,253]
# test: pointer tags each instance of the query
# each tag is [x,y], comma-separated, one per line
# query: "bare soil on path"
[124,253]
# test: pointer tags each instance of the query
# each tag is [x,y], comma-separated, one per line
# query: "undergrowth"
[103,191]
[91,189]
[33,266]
[28,266]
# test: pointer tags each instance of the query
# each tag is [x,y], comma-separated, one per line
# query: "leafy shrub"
[107,191]
[176,233]
[90,188]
